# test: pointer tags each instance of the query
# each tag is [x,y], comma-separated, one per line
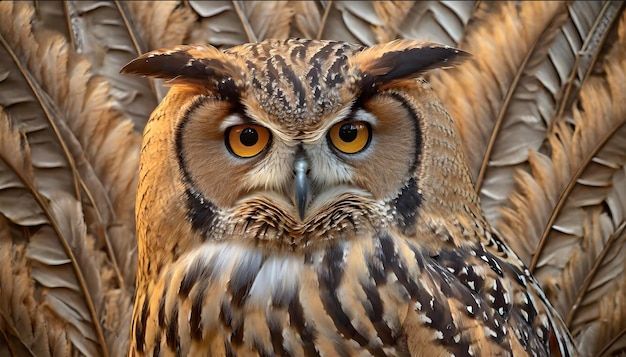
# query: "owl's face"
[285,140]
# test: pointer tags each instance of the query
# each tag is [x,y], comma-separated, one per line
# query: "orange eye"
[247,140]
[350,137]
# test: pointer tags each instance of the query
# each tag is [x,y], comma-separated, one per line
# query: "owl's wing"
[475,299]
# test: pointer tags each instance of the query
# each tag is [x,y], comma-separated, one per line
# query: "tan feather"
[106,37]
[102,31]
[350,21]
[436,21]
[64,262]
[529,75]
[307,19]
[26,331]
[607,336]
[595,139]
[227,23]
[73,110]
[361,22]
[38,249]
[578,264]
[19,195]
[28,107]
[85,118]
[159,23]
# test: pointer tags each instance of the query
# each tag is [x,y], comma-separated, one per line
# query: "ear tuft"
[404,59]
[185,64]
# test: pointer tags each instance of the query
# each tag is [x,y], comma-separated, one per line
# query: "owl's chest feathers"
[349,298]
[245,299]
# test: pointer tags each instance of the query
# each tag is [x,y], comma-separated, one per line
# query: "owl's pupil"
[248,137]
[348,132]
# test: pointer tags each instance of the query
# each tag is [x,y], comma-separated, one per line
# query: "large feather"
[15,154]
[26,332]
[518,79]
[29,107]
[571,209]
[80,116]
[75,144]
[65,263]
[103,32]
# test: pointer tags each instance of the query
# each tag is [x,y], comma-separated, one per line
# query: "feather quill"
[105,36]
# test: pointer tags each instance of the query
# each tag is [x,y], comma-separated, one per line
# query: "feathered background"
[541,109]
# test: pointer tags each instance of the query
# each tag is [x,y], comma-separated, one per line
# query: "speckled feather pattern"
[408,268]
[299,85]
[348,300]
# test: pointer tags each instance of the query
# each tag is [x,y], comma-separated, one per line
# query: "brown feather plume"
[77,163]
[571,208]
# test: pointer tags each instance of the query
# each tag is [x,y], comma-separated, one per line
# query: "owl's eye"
[350,137]
[247,140]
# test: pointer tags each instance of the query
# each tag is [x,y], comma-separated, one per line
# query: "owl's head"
[297,142]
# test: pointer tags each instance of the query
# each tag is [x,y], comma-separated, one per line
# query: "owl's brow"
[231,120]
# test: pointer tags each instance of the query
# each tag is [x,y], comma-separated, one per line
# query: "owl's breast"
[358,297]
[232,299]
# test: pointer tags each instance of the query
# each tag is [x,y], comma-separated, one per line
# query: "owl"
[311,198]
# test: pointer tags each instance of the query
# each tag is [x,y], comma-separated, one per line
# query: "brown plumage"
[351,261]
[386,254]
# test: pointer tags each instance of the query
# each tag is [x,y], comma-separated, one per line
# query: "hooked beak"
[301,183]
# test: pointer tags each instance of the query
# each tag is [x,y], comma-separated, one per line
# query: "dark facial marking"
[407,204]
[200,211]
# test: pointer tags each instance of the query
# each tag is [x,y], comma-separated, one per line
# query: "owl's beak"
[301,183]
